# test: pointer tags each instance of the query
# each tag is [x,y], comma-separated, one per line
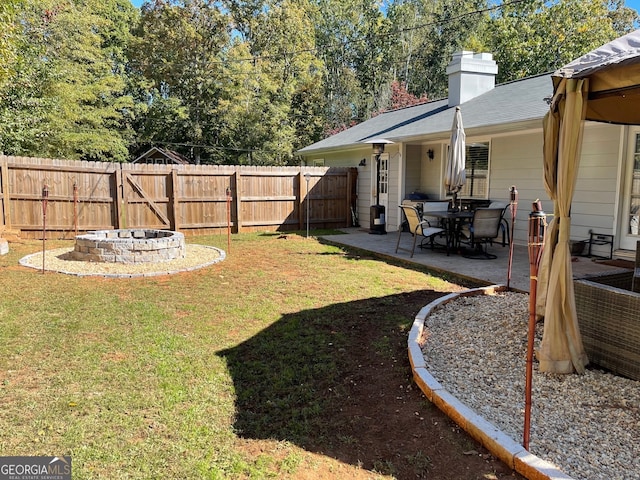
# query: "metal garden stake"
[514,209]
[228,219]
[75,206]
[45,199]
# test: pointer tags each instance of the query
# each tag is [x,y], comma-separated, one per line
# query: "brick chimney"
[470,75]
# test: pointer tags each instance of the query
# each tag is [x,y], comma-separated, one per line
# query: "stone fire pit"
[129,246]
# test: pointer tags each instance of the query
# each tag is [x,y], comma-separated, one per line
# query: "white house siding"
[596,197]
[517,160]
[395,196]
[414,154]
[433,171]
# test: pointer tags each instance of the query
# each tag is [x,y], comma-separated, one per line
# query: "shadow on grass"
[337,380]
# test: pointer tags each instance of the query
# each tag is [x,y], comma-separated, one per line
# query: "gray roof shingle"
[508,103]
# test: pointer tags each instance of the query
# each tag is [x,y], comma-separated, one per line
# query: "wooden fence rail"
[84,196]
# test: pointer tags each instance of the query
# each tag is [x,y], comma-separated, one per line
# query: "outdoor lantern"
[377,212]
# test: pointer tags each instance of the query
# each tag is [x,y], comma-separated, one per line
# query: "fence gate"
[147,197]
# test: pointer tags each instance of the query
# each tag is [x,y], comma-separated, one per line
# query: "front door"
[380,185]
[630,228]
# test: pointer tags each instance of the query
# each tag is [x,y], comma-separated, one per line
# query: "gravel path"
[587,425]
[57,260]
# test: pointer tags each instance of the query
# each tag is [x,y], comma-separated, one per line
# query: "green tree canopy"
[253,81]
[68,88]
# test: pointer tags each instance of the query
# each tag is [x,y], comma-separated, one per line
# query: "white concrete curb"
[488,435]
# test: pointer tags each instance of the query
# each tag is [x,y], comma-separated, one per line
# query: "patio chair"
[417,227]
[484,228]
[436,206]
[504,224]
[411,203]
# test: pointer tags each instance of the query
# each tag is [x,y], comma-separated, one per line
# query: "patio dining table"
[452,222]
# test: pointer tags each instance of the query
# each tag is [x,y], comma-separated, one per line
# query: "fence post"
[301,201]
[119,206]
[235,190]
[4,184]
[174,200]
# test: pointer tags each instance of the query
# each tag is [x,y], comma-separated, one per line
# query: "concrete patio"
[483,272]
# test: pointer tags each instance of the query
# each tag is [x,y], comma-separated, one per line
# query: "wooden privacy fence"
[194,199]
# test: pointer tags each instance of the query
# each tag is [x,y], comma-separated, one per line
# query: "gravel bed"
[587,425]
[57,260]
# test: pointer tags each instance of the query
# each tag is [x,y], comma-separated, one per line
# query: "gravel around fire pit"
[587,425]
[59,260]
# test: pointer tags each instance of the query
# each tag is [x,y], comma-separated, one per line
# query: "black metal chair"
[483,230]
[417,227]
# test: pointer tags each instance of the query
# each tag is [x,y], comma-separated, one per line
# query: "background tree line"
[250,82]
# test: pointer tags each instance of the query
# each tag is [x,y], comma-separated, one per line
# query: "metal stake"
[514,209]
[45,198]
[75,206]
[228,219]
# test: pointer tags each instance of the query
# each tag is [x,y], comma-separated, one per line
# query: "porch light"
[430,154]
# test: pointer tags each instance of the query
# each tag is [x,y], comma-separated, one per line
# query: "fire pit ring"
[136,245]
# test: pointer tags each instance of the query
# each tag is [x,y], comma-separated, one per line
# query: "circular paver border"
[171,267]
[488,435]
[129,245]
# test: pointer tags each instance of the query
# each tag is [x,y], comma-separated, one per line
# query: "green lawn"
[217,373]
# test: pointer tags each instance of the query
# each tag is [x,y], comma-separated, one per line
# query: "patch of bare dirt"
[395,429]
[374,418]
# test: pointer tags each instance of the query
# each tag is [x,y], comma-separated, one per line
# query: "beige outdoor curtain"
[561,350]
[604,86]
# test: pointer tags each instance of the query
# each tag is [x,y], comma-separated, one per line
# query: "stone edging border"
[221,256]
[489,436]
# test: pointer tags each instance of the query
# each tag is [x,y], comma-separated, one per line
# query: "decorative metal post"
[228,219]
[537,225]
[75,207]
[514,208]
[45,199]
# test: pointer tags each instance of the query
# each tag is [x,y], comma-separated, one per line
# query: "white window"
[477,171]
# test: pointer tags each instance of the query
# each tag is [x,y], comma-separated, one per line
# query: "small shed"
[161,156]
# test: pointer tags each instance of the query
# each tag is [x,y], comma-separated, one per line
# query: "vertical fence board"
[4,189]
[235,192]
[191,198]
[174,200]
